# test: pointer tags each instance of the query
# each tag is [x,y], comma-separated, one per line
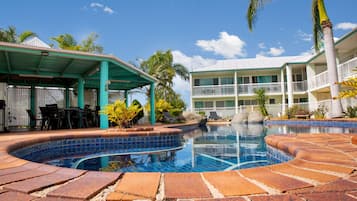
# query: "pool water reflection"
[215,148]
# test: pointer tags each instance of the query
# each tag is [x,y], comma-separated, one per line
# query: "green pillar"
[152,103]
[103,90]
[68,101]
[81,93]
[126,98]
[33,105]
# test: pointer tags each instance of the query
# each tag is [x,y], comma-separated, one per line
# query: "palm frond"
[25,35]
[252,11]
[317,28]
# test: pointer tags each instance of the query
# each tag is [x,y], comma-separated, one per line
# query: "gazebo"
[40,66]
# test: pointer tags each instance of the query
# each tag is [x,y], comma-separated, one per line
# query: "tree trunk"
[329,45]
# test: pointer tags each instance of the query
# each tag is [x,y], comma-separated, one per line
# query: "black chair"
[78,118]
[45,117]
[33,119]
[54,117]
[213,115]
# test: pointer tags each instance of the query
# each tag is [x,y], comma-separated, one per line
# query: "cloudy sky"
[199,32]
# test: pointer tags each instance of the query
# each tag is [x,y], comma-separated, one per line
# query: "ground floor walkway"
[324,168]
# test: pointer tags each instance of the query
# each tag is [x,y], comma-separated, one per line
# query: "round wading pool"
[216,148]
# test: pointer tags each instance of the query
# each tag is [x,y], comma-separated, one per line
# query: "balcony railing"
[213,90]
[274,87]
[344,70]
[300,86]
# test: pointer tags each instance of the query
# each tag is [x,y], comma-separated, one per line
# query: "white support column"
[191,89]
[236,91]
[282,81]
[289,79]
[310,73]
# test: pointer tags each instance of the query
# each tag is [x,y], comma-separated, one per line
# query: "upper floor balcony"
[344,70]
[270,88]
[213,90]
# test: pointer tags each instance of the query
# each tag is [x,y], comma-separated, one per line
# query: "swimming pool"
[216,148]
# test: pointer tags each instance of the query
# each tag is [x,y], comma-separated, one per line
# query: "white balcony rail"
[300,86]
[347,69]
[213,90]
[223,112]
[344,70]
[274,87]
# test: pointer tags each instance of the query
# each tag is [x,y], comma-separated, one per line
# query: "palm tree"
[9,35]
[67,42]
[161,66]
[322,27]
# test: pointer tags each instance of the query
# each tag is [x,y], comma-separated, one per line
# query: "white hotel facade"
[227,87]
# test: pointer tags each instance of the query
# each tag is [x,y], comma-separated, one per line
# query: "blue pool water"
[215,148]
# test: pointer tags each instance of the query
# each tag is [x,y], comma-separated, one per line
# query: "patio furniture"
[45,117]
[213,115]
[54,117]
[78,117]
[33,119]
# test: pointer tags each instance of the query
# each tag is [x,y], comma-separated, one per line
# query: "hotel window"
[243,80]
[206,81]
[271,101]
[204,104]
[247,102]
[297,77]
[227,103]
[265,79]
[227,80]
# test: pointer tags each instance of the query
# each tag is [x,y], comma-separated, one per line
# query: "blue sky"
[197,31]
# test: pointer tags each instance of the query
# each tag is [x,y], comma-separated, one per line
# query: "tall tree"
[68,42]
[161,66]
[11,36]
[322,27]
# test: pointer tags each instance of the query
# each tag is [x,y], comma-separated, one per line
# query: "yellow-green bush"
[119,114]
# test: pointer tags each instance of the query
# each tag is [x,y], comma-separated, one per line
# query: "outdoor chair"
[33,119]
[213,115]
[167,117]
[45,117]
[54,117]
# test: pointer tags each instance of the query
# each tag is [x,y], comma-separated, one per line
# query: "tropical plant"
[320,112]
[161,106]
[121,115]
[160,65]
[11,36]
[261,99]
[140,114]
[351,112]
[322,28]
[296,110]
[68,42]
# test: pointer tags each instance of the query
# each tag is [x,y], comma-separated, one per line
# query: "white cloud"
[191,62]
[262,45]
[108,10]
[228,46]
[98,6]
[346,26]
[308,52]
[273,51]
[304,36]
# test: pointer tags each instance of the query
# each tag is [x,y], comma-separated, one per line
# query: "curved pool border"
[324,167]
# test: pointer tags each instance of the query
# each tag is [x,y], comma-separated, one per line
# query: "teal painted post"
[126,98]
[33,105]
[152,103]
[68,101]
[81,93]
[103,90]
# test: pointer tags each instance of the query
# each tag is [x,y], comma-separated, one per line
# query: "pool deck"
[324,168]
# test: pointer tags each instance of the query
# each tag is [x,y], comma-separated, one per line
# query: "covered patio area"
[34,67]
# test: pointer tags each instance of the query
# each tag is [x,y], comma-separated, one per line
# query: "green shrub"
[320,112]
[351,112]
[140,114]
[296,110]
[121,115]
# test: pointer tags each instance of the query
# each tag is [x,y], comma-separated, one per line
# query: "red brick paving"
[38,183]
[144,185]
[231,184]
[85,187]
[185,185]
[273,180]
[328,196]
[284,197]
[15,196]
